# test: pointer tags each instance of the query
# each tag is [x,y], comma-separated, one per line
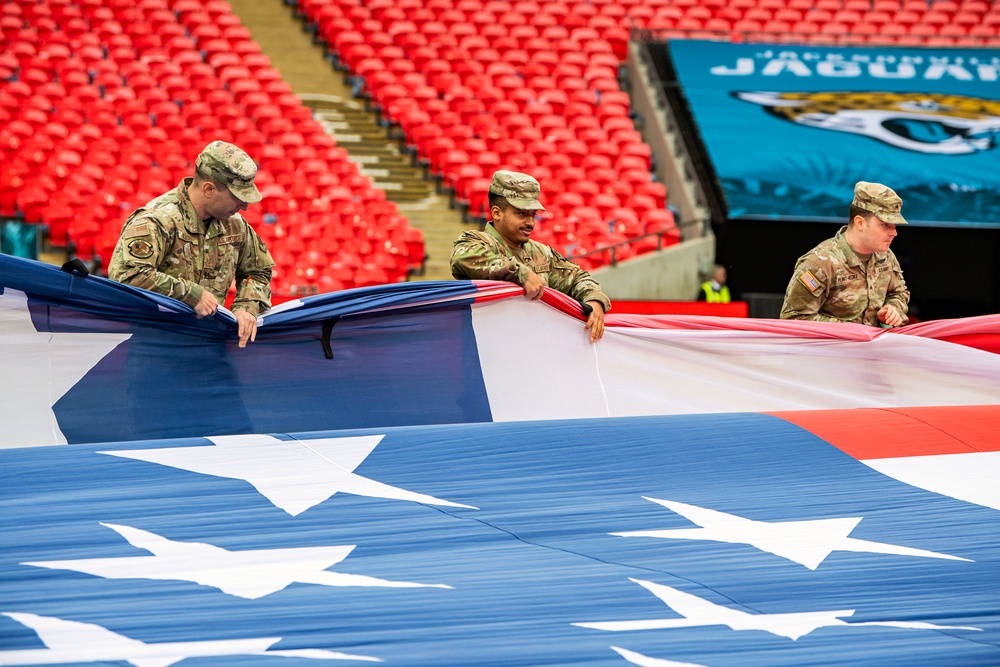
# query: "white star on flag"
[38,369]
[646,661]
[807,543]
[293,474]
[699,612]
[247,574]
[73,642]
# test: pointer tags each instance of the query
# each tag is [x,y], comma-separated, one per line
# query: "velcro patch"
[232,239]
[137,230]
[809,280]
[540,267]
[141,249]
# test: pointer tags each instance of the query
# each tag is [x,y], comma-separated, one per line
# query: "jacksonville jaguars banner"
[791,129]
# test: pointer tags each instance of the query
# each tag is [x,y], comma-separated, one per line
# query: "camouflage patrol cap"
[880,200]
[520,190]
[230,165]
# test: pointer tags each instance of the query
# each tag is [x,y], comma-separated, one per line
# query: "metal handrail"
[613,248]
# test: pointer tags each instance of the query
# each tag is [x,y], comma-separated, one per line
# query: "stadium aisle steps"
[469,99]
[311,75]
[119,80]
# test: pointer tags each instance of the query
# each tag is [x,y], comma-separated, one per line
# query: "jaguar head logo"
[921,122]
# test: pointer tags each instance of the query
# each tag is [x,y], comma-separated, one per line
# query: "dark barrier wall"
[950,272]
[781,185]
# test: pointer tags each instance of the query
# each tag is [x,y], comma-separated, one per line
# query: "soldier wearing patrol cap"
[192,242]
[854,277]
[505,251]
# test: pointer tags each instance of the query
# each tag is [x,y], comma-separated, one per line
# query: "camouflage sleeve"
[476,258]
[253,275]
[807,292]
[897,295]
[573,281]
[140,248]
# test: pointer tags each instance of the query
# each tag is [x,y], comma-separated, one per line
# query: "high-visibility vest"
[711,296]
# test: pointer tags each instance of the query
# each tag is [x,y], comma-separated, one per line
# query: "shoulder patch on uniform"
[140,248]
[809,280]
[482,236]
[137,230]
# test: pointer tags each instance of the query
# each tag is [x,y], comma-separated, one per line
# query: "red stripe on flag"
[985,342]
[882,433]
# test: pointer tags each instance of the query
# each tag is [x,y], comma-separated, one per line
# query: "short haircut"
[857,210]
[201,177]
[498,201]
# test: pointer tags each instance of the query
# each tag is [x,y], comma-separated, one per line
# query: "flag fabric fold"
[434,353]
[447,474]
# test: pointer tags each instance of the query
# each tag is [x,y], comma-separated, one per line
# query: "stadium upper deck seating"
[482,85]
[532,85]
[105,103]
[904,22]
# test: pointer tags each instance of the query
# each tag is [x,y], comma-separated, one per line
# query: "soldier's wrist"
[194,295]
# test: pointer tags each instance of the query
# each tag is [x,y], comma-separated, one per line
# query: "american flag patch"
[809,280]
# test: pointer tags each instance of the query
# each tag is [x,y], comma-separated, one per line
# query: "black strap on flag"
[327,332]
[76,267]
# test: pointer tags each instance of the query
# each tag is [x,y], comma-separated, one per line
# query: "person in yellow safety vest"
[715,290]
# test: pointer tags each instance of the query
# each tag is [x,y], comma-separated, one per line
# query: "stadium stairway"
[304,65]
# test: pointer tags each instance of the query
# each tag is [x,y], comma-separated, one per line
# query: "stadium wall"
[672,274]
[951,272]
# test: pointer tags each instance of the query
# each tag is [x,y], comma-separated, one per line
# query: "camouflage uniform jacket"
[165,248]
[486,256]
[832,284]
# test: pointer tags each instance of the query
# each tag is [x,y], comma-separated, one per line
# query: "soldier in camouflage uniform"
[854,277]
[192,242]
[505,251]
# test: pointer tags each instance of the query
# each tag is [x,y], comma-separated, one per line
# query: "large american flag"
[442,491]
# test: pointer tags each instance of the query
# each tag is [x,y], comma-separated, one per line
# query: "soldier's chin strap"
[327,333]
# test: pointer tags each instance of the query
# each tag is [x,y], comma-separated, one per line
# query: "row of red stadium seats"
[883,32]
[95,122]
[138,106]
[499,90]
[980,36]
[528,18]
[508,23]
[107,87]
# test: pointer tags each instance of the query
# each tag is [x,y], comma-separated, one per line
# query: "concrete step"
[377,155]
[439,232]
[306,65]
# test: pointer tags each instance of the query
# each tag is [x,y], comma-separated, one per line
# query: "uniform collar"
[191,222]
[850,254]
[492,231]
